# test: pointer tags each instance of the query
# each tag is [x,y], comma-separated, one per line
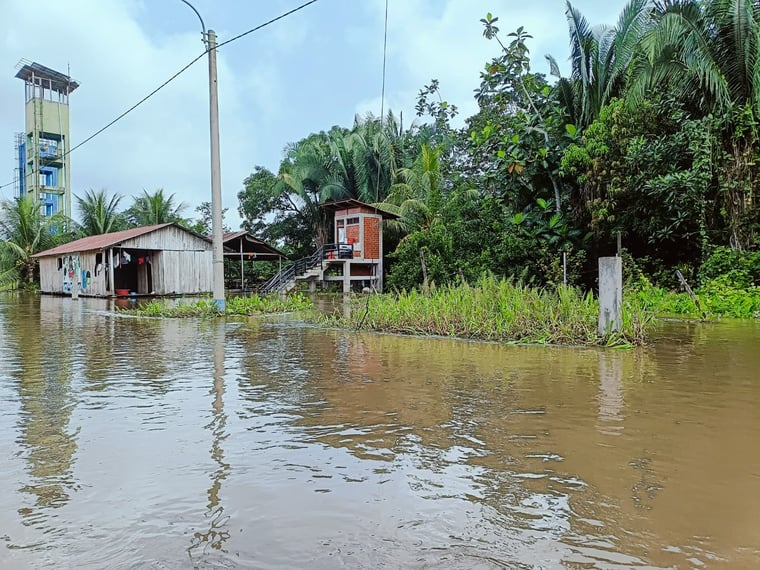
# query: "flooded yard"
[267,443]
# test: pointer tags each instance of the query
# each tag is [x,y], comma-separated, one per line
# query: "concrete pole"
[216,177]
[610,294]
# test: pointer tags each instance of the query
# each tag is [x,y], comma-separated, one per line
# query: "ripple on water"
[175,444]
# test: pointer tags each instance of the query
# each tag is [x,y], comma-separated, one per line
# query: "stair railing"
[297,268]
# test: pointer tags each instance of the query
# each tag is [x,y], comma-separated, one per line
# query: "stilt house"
[354,259]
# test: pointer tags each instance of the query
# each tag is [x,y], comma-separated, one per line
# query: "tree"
[204,225]
[417,198]
[708,53]
[99,213]
[361,163]
[518,136]
[151,209]
[24,231]
[601,57]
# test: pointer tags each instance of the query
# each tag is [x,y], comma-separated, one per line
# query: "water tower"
[42,150]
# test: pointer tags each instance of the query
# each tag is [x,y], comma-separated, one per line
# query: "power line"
[382,92]
[172,78]
[265,24]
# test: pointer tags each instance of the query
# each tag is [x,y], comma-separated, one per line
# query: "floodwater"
[266,443]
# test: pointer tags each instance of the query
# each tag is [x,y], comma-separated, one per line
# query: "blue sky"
[316,69]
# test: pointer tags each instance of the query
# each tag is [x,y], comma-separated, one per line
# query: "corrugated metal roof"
[351,203]
[233,242]
[102,241]
[59,81]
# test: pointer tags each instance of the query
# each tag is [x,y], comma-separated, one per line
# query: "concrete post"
[216,178]
[610,294]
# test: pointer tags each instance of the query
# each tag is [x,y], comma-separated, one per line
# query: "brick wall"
[371,243]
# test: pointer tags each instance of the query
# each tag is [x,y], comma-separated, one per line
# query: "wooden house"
[164,259]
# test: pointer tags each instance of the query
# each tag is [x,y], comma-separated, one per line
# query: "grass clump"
[495,310]
[206,308]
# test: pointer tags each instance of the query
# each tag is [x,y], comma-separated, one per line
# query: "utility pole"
[216,177]
[217,266]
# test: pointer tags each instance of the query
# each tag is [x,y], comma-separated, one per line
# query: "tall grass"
[495,310]
[234,306]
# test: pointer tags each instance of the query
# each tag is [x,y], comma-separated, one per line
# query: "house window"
[352,221]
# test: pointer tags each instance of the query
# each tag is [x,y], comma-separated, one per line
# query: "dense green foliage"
[653,137]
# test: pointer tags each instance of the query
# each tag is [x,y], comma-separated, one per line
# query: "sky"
[306,73]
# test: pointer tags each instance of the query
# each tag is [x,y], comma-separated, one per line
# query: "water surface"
[266,443]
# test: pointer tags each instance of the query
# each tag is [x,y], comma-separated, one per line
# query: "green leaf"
[572,130]
[541,203]
[501,154]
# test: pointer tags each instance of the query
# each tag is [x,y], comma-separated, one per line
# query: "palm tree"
[150,209]
[601,56]
[417,199]
[708,54]
[305,182]
[708,51]
[24,231]
[99,213]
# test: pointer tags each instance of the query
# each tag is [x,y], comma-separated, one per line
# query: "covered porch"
[241,252]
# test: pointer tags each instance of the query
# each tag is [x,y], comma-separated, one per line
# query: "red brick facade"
[371,243]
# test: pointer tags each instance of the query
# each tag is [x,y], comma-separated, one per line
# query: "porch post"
[110,272]
[242,267]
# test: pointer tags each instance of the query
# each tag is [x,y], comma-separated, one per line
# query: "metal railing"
[299,267]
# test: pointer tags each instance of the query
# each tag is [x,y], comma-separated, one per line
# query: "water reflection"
[218,531]
[610,421]
[44,346]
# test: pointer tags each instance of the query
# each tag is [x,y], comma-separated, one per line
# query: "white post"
[610,294]
[110,272]
[216,177]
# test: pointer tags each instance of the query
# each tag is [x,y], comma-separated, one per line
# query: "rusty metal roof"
[235,241]
[104,241]
[351,203]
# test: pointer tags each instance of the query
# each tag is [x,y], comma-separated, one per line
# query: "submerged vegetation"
[205,308]
[495,310]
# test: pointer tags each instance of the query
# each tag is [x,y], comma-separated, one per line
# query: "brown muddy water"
[266,443]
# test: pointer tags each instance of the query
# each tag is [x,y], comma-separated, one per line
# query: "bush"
[737,269]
